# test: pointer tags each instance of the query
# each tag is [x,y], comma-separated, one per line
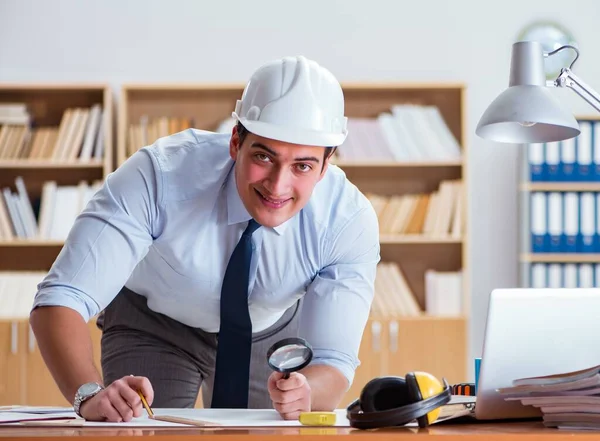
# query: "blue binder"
[587,223]
[536,160]
[538,222]
[584,152]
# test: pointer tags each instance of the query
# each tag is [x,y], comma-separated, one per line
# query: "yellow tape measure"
[317,418]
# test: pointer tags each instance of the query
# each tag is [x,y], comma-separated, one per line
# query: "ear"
[324,168]
[234,143]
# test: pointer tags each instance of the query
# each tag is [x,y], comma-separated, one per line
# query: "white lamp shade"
[526,114]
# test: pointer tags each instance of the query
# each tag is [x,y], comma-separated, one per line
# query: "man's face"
[275,179]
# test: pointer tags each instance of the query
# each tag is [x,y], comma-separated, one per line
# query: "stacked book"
[439,214]
[569,400]
[78,137]
[17,291]
[406,133]
[394,296]
[59,206]
[148,129]
[444,293]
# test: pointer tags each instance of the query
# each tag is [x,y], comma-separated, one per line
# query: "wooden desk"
[528,431]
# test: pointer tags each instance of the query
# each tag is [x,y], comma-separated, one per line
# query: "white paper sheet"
[38,410]
[244,417]
[222,417]
[8,417]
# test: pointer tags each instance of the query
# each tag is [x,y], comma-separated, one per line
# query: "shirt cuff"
[345,364]
[67,297]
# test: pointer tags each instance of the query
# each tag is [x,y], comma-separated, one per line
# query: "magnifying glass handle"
[286,375]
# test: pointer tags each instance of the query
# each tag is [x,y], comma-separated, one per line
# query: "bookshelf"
[24,378]
[559,211]
[46,105]
[394,343]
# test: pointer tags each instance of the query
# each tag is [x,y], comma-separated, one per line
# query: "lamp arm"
[568,79]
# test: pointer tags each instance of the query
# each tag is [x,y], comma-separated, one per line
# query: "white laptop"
[532,332]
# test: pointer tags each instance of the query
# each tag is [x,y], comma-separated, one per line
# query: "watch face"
[551,36]
[88,388]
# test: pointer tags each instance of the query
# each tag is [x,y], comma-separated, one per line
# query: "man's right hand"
[119,402]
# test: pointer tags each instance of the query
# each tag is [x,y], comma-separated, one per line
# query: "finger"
[272,381]
[108,411]
[131,397]
[288,396]
[143,385]
[295,381]
[118,402]
[291,416]
[290,409]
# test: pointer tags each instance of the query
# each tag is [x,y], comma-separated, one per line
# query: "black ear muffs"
[385,393]
[396,401]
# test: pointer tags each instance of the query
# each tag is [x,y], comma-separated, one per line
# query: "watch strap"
[81,398]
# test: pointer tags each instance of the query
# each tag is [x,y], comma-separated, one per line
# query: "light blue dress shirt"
[165,223]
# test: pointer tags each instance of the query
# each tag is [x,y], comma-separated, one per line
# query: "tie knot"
[251,228]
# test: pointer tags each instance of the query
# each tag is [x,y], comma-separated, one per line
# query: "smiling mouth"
[273,203]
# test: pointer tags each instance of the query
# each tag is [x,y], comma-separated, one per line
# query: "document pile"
[568,400]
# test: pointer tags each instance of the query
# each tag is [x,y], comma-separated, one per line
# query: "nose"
[278,181]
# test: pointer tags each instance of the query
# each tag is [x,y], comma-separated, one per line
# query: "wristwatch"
[84,393]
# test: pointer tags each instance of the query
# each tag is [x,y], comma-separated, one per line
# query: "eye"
[262,157]
[304,167]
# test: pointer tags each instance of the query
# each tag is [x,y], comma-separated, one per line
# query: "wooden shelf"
[424,318]
[561,186]
[561,258]
[417,239]
[21,255]
[31,243]
[390,181]
[527,258]
[386,164]
[385,239]
[46,102]
[31,164]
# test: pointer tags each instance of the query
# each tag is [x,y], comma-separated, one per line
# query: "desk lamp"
[527,112]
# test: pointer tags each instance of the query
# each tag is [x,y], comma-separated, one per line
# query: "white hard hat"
[294,100]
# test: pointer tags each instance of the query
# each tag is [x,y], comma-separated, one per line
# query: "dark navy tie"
[232,369]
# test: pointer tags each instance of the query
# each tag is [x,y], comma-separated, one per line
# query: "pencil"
[145,403]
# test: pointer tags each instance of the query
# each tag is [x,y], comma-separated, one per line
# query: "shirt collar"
[236,211]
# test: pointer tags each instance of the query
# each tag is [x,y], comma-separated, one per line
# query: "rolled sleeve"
[337,303]
[107,240]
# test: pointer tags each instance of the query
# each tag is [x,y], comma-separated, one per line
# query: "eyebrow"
[274,153]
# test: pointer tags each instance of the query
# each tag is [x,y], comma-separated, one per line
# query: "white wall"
[400,40]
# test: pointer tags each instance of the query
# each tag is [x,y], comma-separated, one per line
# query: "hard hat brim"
[293,135]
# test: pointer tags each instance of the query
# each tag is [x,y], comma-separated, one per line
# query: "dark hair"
[243,132]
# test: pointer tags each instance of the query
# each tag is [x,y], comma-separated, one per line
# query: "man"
[204,249]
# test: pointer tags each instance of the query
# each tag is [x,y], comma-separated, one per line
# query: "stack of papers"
[569,400]
[18,414]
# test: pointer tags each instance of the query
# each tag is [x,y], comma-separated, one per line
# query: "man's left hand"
[290,396]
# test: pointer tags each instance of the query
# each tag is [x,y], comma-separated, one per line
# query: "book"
[565,399]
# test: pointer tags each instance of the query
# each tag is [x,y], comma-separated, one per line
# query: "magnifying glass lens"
[289,355]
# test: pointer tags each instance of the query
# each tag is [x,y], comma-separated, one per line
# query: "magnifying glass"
[289,355]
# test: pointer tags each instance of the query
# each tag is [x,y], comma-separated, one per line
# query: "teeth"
[272,200]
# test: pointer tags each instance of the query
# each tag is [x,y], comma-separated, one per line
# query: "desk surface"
[513,431]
